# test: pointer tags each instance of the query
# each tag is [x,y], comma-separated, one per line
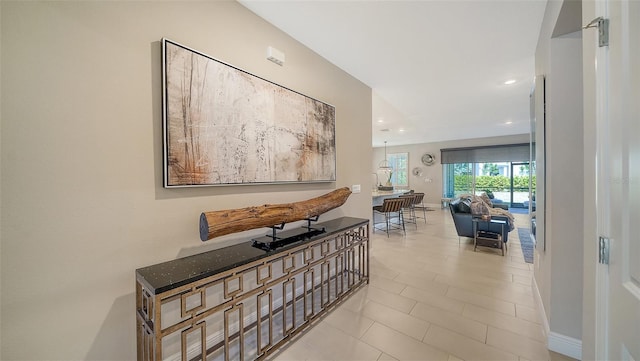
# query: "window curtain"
[487,154]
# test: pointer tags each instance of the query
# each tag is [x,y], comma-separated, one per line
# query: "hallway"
[431,298]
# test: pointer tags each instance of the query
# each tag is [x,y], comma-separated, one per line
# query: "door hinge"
[603,30]
[603,250]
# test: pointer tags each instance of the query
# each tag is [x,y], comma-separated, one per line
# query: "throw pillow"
[464,206]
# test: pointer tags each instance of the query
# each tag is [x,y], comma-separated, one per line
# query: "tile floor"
[431,298]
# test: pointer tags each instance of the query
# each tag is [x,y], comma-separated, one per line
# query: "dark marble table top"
[168,275]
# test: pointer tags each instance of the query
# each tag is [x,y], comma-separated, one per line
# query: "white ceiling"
[437,68]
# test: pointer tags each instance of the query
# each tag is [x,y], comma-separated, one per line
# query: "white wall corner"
[556,342]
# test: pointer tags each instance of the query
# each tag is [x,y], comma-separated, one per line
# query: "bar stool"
[408,208]
[417,204]
[390,208]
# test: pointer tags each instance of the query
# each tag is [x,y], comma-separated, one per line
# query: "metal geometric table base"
[246,313]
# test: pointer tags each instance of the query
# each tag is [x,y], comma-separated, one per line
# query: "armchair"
[461,214]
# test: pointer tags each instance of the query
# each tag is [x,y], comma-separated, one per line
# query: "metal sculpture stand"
[276,240]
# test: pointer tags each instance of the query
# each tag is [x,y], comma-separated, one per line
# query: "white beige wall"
[430,182]
[589,292]
[0,187]
[564,188]
[82,198]
[559,267]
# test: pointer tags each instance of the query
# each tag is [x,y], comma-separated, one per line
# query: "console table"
[243,302]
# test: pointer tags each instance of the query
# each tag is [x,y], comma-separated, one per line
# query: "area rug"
[526,243]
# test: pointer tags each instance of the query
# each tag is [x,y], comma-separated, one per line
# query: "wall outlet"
[355,188]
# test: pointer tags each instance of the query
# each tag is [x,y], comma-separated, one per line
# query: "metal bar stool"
[418,205]
[390,208]
[407,207]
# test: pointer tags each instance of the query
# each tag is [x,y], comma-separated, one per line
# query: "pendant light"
[385,165]
[385,170]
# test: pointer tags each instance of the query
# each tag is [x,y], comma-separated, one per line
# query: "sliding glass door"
[502,171]
[493,179]
[520,173]
[458,179]
[506,183]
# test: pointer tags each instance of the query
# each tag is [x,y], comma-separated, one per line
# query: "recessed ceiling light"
[401,130]
[510,81]
[380,120]
[508,122]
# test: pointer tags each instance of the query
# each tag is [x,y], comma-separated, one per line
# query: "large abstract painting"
[225,126]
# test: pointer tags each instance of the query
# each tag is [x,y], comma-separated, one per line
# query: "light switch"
[355,188]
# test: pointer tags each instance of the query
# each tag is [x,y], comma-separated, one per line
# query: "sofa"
[461,213]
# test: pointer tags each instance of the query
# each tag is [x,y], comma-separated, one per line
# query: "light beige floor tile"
[387,298]
[515,297]
[491,270]
[356,301]
[517,344]
[392,259]
[559,357]
[451,321]
[434,279]
[505,322]
[464,347]
[387,284]
[521,264]
[481,273]
[418,276]
[523,280]
[378,268]
[338,345]
[400,346]
[298,350]
[385,357]
[351,323]
[528,313]
[506,294]
[516,271]
[435,300]
[408,325]
[442,265]
[487,302]
[423,282]
[475,280]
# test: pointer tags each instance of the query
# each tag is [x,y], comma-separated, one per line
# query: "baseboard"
[556,342]
[565,345]
[540,307]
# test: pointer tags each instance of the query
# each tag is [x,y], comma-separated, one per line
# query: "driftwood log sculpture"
[218,223]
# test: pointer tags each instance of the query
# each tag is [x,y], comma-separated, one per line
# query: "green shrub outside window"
[497,183]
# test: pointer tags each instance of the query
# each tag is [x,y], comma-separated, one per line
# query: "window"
[457,179]
[400,164]
[502,170]
[508,182]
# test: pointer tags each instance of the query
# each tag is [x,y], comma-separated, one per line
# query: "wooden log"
[218,223]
